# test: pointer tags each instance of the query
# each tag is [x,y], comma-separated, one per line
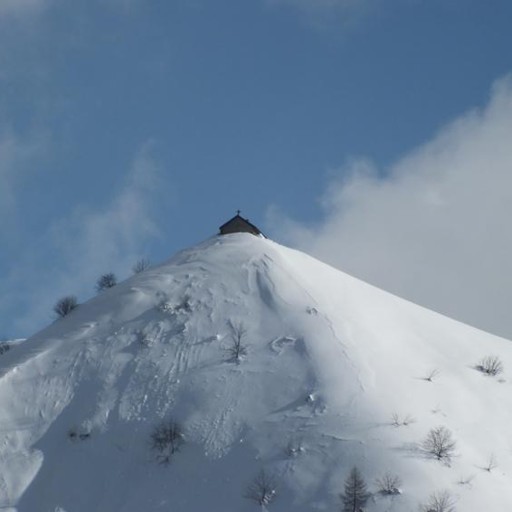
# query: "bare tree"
[166,440]
[262,490]
[237,334]
[106,281]
[439,502]
[440,444]
[490,365]
[356,493]
[141,265]
[65,305]
[389,484]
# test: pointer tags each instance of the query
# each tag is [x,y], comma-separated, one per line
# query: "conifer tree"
[356,493]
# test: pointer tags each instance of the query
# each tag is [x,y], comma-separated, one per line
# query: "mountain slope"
[329,362]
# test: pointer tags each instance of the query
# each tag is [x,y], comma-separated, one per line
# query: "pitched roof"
[238,224]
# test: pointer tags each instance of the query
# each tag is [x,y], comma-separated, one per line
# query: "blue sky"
[132,128]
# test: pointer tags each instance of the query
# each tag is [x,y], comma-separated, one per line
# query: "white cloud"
[437,229]
[84,246]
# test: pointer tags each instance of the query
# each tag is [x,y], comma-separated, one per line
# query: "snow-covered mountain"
[332,373]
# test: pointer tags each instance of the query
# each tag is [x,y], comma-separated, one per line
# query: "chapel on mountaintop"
[239,225]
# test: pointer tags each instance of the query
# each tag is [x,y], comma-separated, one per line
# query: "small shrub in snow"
[440,444]
[401,421]
[492,463]
[166,440]
[65,305]
[106,281]
[432,375]
[356,493]
[237,348]
[4,347]
[466,480]
[77,434]
[439,502]
[389,484]
[490,365]
[141,265]
[262,490]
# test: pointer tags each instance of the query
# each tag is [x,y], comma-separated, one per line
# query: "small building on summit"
[239,225]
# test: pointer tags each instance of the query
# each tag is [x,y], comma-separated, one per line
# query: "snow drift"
[332,373]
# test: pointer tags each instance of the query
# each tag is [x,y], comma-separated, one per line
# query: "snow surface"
[331,362]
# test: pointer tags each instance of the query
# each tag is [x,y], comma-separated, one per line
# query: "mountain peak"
[254,358]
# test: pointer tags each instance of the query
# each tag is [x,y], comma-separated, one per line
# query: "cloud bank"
[437,228]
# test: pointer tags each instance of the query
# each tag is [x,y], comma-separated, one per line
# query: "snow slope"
[330,360]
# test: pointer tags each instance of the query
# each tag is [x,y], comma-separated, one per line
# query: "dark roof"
[239,225]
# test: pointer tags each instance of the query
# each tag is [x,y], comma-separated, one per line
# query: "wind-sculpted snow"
[331,373]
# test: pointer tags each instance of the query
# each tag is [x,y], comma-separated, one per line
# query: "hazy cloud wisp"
[17,156]
[21,7]
[84,246]
[322,12]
